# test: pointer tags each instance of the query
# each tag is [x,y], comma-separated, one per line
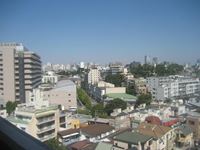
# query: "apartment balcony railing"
[45,129]
[45,120]
[12,138]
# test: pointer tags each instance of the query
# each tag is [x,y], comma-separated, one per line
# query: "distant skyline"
[104,31]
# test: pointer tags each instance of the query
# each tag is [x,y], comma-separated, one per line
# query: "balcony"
[45,120]
[13,138]
[45,129]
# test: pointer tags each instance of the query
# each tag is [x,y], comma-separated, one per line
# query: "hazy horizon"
[104,31]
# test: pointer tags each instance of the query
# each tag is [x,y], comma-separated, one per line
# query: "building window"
[69,94]
[69,100]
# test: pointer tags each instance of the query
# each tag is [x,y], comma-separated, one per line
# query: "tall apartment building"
[20,72]
[93,76]
[162,88]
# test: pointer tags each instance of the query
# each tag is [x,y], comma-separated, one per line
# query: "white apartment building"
[50,77]
[162,88]
[20,72]
[42,123]
[103,88]
[93,76]
[63,93]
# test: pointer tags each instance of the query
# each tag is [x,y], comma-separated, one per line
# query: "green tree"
[116,79]
[10,107]
[55,145]
[98,110]
[84,98]
[144,99]
[113,104]
[131,90]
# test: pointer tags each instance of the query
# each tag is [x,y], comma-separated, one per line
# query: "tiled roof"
[153,130]
[184,129]
[67,132]
[96,129]
[132,138]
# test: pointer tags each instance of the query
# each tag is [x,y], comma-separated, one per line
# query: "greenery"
[10,107]
[55,145]
[113,104]
[83,111]
[131,90]
[144,99]
[163,69]
[98,110]
[116,79]
[84,98]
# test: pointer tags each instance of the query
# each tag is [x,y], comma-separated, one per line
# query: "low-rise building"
[132,140]
[42,124]
[140,86]
[184,136]
[94,133]
[163,137]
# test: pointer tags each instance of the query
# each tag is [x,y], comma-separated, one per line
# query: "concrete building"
[102,88]
[50,77]
[163,88]
[93,76]
[42,123]
[140,86]
[63,93]
[20,72]
[117,68]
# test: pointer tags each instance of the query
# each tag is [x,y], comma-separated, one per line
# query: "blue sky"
[67,31]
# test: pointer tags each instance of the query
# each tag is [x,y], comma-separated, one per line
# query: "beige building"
[20,72]
[140,86]
[63,93]
[42,123]
[93,76]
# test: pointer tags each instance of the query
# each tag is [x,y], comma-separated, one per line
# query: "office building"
[20,72]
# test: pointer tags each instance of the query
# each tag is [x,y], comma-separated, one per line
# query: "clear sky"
[67,31]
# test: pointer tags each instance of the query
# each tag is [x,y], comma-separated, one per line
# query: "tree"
[144,99]
[10,107]
[116,79]
[84,98]
[98,110]
[55,145]
[113,104]
[131,90]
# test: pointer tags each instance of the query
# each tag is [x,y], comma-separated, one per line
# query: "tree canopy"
[84,98]
[144,99]
[116,79]
[163,69]
[113,104]
[10,107]
[55,145]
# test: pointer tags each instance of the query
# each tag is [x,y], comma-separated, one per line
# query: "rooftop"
[16,120]
[132,138]
[32,109]
[184,129]
[153,130]
[64,84]
[104,146]
[123,96]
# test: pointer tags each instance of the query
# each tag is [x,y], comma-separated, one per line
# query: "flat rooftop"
[64,85]
[123,96]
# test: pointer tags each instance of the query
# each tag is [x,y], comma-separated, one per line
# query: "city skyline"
[104,31]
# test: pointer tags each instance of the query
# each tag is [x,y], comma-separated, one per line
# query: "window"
[69,100]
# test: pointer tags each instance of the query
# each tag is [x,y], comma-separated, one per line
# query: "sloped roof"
[133,138]
[104,146]
[153,130]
